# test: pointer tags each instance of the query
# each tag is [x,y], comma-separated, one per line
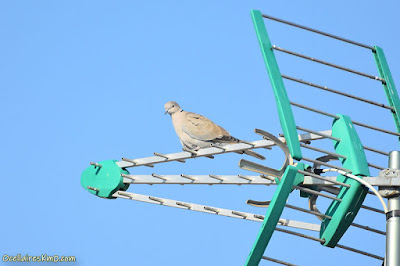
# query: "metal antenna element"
[323,241]
[316,213]
[240,214]
[323,151]
[322,134]
[128,176]
[167,158]
[326,164]
[363,182]
[180,156]
[188,177]
[244,177]
[213,210]
[248,165]
[216,177]
[93,188]
[197,179]
[323,178]
[96,164]
[372,209]
[337,117]
[184,204]
[376,151]
[367,179]
[309,179]
[328,64]
[158,176]
[319,32]
[278,261]
[337,92]
[311,191]
[375,166]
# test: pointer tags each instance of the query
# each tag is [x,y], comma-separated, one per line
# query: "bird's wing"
[202,128]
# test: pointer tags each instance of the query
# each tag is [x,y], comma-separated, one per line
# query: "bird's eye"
[173,105]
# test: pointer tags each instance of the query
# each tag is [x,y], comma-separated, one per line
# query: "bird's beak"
[166,112]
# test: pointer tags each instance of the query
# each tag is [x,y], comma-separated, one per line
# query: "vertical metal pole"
[393,219]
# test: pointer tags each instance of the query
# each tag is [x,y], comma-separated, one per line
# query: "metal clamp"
[262,169]
[391,214]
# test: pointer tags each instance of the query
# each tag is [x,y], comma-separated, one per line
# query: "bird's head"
[172,107]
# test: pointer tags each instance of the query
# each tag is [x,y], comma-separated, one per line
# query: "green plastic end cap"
[104,181]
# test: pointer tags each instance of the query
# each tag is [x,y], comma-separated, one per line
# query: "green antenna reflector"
[282,101]
[389,87]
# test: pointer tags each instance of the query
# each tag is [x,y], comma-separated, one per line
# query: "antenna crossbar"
[207,152]
[213,210]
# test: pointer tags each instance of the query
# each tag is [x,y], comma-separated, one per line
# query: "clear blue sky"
[87,81]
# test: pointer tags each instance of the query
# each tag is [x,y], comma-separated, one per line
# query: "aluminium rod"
[363,182]
[96,164]
[166,157]
[376,151]
[266,203]
[329,217]
[184,179]
[319,32]
[323,178]
[314,110]
[354,122]
[311,191]
[337,92]
[362,206]
[308,211]
[278,261]
[317,133]
[328,64]
[326,164]
[376,128]
[322,241]
[336,193]
[193,179]
[369,228]
[179,156]
[323,151]
[375,166]
[213,210]
[360,252]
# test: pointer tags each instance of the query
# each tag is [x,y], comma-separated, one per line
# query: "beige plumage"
[196,131]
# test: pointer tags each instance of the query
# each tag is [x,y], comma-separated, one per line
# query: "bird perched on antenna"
[196,131]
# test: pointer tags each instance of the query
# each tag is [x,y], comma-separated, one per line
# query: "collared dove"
[196,131]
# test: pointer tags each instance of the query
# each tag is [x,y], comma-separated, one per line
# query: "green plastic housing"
[343,213]
[389,87]
[106,180]
[286,118]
